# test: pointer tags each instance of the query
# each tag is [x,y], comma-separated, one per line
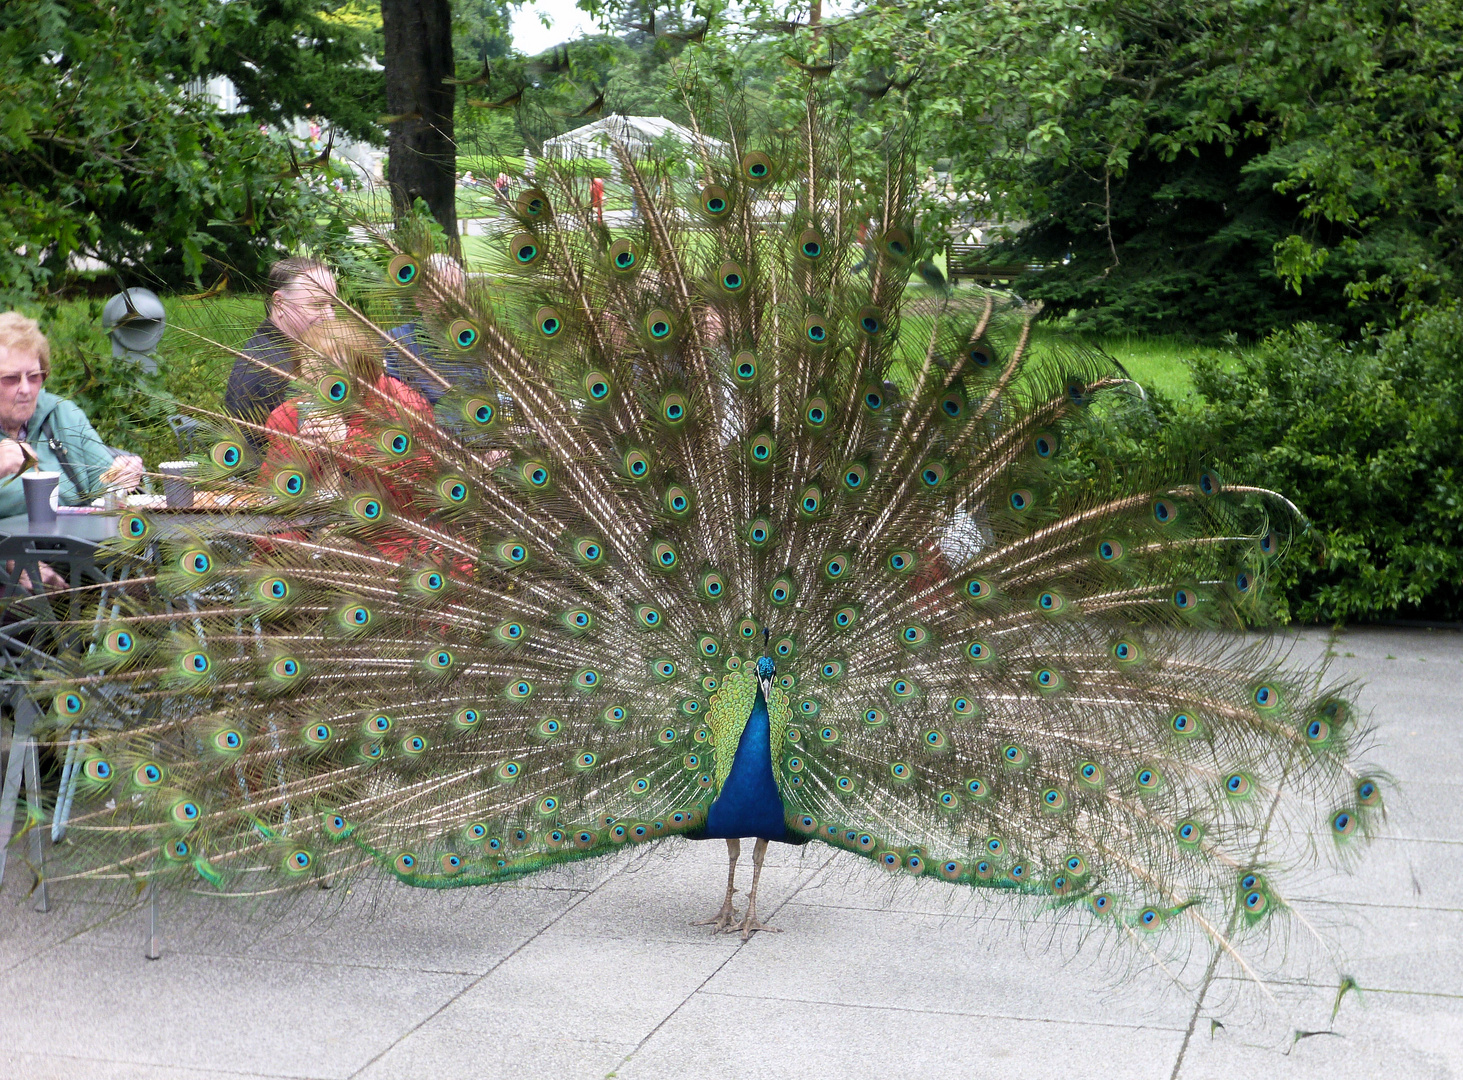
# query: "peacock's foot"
[722,921]
[751,924]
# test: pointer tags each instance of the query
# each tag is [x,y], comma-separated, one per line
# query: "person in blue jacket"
[35,423]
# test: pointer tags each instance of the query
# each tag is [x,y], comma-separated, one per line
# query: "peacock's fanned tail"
[508,631]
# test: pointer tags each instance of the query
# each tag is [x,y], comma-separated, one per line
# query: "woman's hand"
[125,473]
[14,456]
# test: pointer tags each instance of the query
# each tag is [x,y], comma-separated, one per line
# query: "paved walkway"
[598,973]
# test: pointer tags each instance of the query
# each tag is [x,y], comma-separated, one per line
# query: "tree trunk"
[422,161]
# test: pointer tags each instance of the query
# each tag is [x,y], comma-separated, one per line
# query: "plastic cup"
[178,483]
[39,487]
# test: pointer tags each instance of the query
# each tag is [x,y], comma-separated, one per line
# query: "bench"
[968,260]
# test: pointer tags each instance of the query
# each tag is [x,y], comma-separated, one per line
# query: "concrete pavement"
[598,973]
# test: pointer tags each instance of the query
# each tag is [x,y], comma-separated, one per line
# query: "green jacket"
[88,455]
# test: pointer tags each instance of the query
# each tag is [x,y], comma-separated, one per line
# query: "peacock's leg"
[750,923]
[724,918]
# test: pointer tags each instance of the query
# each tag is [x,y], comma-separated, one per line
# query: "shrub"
[1366,439]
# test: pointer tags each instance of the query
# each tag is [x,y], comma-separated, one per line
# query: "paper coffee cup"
[178,483]
[40,496]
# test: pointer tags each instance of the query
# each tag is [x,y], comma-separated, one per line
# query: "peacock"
[725,529]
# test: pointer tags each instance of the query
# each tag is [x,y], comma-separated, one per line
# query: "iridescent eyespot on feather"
[979,652]
[1343,823]
[874,399]
[784,648]
[900,771]
[298,861]
[664,555]
[467,719]
[748,629]
[963,707]
[134,527]
[478,412]
[98,770]
[659,324]
[1237,785]
[195,663]
[759,532]
[597,385]
[811,501]
[932,474]
[1148,780]
[367,509]
[756,167]
[708,645]
[913,636]
[1185,599]
[1091,774]
[845,618]
[980,354]
[816,412]
[588,551]
[613,715]
[548,321]
[441,661]
[1243,582]
[855,476]
[1045,444]
[195,563]
[731,277]
[1266,697]
[509,771]
[289,482]
[902,561]
[871,321]
[649,617]
[1050,602]
[624,256]
[875,717]
[902,689]
[586,679]
[1190,834]
[511,552]
[952,406]
[403,270]
[761,449]
[524,247]
[1021,500]
[1210,482]
[1046,679]
[896,244]
[287,668]
[674,408]
[454,489]
[1109,551]
[334,389]
[1150,918]
[228,741]
[148,775]
[405,863]
[226,454]
[463,334]
[1368,793]
[413,745]
[1165,512]
[815,329]
[715,201]
[534,205]
[811,244]
[510,633]
[1269,543]
[744,367]
[1127,652]
[1185,724]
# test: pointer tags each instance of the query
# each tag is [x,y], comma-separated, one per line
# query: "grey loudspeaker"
[135,320]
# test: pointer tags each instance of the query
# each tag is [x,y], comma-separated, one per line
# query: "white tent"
[635,132]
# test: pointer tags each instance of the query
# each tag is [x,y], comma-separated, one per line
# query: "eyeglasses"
[12,382]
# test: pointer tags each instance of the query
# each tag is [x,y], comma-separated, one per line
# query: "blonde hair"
[346,345]
[24,335]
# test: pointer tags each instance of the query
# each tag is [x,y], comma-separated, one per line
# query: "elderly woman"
[53,431]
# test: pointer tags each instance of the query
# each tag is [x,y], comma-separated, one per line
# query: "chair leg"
[10,793]
[153,949]
[67,790]
[37,835]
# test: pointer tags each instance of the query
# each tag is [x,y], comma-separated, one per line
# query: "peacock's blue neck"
[749,803]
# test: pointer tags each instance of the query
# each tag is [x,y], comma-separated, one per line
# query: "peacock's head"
[766,670]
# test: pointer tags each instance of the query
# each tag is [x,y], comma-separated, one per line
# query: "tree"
[419,63]
[1046,109]
[103,154]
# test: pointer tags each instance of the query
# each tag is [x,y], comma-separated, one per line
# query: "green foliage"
[104,156]
[1344,122]
[1366,439]
[127,407]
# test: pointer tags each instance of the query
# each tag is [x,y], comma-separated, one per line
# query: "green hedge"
[1366,439]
